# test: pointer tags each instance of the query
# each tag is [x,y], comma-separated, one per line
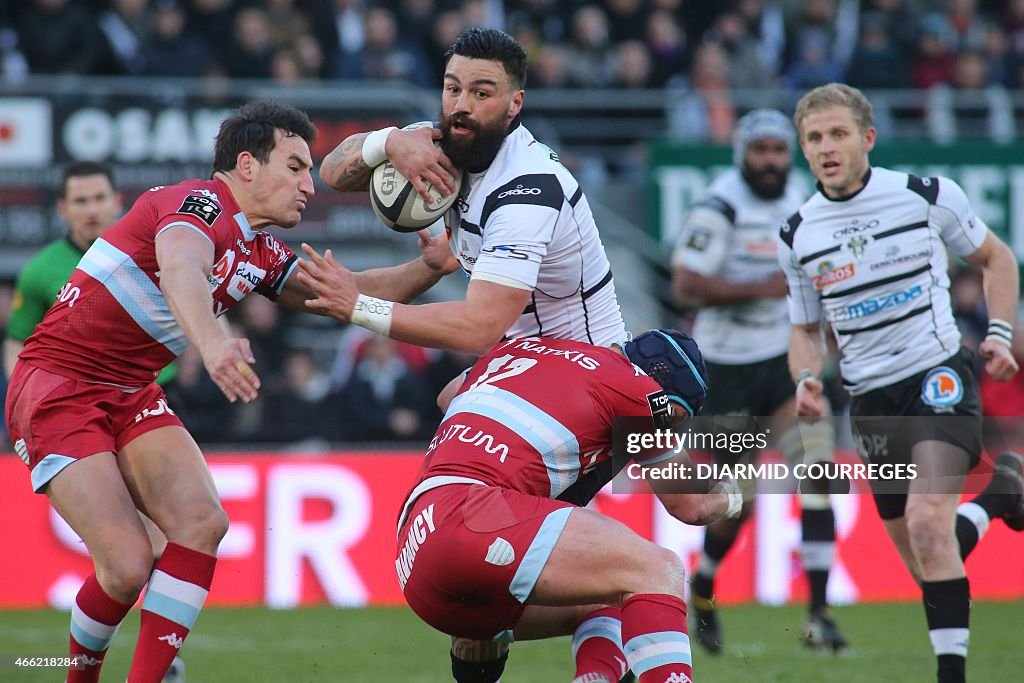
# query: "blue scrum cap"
[673,360]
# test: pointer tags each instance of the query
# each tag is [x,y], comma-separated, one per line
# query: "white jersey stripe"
[135,292]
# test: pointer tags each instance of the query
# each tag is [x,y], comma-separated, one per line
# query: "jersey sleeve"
[31,301]
[802,297]
[518,223]
[279,261]
[704,240]
[960,228]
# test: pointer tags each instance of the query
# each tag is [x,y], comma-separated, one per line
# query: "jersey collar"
[864,180]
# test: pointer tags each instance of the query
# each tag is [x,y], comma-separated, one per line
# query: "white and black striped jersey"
[875,264]
[731,233]
[525,223]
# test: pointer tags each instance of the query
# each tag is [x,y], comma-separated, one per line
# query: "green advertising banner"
[991,175]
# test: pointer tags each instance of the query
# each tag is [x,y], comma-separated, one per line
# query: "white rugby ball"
[399,206]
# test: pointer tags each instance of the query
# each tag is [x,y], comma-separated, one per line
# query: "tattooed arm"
[344,168]
[411,151]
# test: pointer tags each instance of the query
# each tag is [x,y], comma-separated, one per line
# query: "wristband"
[374,314]
[373,147]
[731,489]
[1000,331]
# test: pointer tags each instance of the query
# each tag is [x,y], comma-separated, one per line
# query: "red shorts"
[469,556]
[54,420]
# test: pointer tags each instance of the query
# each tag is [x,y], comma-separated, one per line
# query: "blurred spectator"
[632,66]
[59,37]
[443,32]
[198,401]
[13,65]
[746,69]
[877,62]
[967,23]
[549,16]
[996,50]
[212,21]
[627,19]
[415,20]
[383,57]
[1013,21]
[589,50]
[551,69]
[813,63]
[900,20]
[286,68]
[310,55]
[124,26]
[169,50]
[350,23]
[252,48]
[263,323]
[820,40]
[299,408]
[936,54]
[704,109]
[286,21]
[383,400]
[666,41]
[765,28]
[968,302]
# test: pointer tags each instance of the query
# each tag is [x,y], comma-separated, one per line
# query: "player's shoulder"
[202,199]
[932,190]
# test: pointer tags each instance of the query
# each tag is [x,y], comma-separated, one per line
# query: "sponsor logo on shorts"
[699,240]
[420,528]
[829,274]
[160,409]
[500,553]
[872,445]
[942,389]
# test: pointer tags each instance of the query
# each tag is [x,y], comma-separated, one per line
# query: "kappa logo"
[500,553]
[160,409]
[942,389]
[173,639]
[678,678]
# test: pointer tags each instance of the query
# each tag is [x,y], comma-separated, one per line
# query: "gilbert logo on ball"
[399,206]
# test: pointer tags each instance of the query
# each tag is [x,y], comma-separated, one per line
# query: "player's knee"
[201,528]
[667,574]
[123,577]
[929,529]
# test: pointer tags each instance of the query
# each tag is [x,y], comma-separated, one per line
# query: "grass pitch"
[889,644]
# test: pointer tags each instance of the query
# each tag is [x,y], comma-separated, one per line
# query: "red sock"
[655,640]
[95,617]
[597,647]
[176,592]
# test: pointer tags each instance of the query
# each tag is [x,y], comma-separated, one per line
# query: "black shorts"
[752,389]
[941,403]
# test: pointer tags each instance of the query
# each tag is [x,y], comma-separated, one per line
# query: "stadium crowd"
[712,47]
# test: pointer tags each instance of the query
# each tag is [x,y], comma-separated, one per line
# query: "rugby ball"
[399,206]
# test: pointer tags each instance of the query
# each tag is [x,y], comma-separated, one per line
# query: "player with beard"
[522,229]
[726,264]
